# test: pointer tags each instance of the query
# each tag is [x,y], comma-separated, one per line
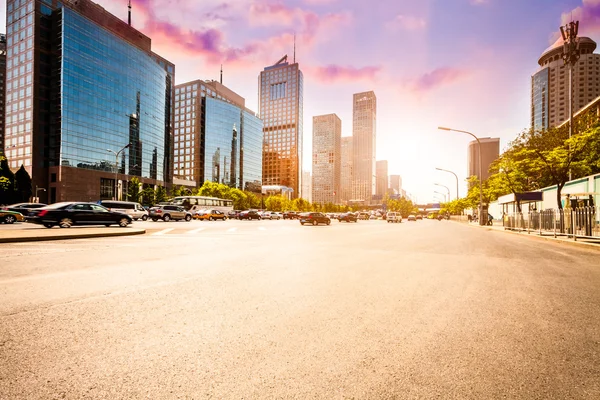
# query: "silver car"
[168,213]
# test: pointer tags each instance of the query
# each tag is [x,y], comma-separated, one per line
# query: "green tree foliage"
[403,205]
[160,194]
[148,196]
[300,204]
[133,189]
[7,182]
[277,203]
[23,190]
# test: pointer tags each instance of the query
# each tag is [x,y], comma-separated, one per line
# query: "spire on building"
[129,12]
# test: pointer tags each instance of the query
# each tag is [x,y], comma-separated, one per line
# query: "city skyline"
[478,78]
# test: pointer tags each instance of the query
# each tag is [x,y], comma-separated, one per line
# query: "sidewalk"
[547,236]
[45,234]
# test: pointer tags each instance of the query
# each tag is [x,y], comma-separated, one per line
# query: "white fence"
[576,223]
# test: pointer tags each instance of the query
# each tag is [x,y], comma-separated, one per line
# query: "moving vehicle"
[67,214]
[419,216]
[266,215]
[234,214]
[314,218]
[290,215]
[131,208]
[195,203]
[10,217]
[169,212]
[411,217]
[393,217]
[364,215]
[210,215]
[23,208]
[348,217]
[250,214]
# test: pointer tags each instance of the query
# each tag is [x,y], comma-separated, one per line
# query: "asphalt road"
[271,309]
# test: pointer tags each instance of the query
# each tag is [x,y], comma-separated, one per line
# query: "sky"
[464,64]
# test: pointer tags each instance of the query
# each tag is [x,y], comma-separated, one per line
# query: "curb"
[534,235]
[71,236]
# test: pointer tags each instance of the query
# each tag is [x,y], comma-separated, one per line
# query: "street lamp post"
[570,57]
[479,215]
[37,189]
[443,194]
[456,176]
[438,184]
[116,153]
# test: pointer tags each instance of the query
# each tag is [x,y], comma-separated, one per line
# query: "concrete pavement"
[35,233]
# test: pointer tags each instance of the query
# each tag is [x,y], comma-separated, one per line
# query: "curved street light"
[440,193]
[479,215]
[439,184]
[116,153]
[456,176]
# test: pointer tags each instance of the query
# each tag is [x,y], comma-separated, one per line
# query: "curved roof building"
[550,84]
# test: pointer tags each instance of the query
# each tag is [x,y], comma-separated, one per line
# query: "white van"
[393,217]
[134,210]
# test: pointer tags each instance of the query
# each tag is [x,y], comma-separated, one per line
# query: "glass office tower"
[96,89]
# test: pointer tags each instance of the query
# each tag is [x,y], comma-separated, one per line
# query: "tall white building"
[307,186]
[364,115]
[346,174]
[327,157]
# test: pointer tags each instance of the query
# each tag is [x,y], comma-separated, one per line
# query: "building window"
[107,188]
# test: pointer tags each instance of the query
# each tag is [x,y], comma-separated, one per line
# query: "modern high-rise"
[364,116]
[280,89]
[216,138]
[381,178]
[550,84]
[88,104]
[2,88]
[490,150]
[346,174]
[326,159]
[396,184]
[307,186]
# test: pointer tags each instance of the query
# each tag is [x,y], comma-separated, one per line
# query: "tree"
[277,203]
[23,185]
[160,195]
[133,189]
[7,182]
[148,196]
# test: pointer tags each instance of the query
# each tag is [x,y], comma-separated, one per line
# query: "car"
[211,215]
[67,214]
[393,217]
[133,209]
[23,208]
[276,215]
[233,214]
[290,215]
[250,214]
[347,217]
[265,215]
[419,216]
[411,217]
[373,216]
[10,217]
[314,218]
[168,213]
[363,215]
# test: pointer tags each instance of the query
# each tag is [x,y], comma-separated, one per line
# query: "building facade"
[327,159]
[396,184]
[216,138]
[2,88]
[80,82]
[280,88]
[490,150]
[307,186]
[346,174]
[550,84]
[364,116]
[381,178]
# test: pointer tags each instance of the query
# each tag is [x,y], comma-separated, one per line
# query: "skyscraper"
[2,88]
[346,174]
[80,82]
[307,186]
[396,184]
[490,150]
[280,88]
[382,178]
[326,168]
[550,84]
[216,138]
[364,115]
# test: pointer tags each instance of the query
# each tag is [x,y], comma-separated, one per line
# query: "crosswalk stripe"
[195,231]
[164,231]
[262,228]
[231,229]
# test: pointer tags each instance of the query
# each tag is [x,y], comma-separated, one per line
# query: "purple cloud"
[436,78]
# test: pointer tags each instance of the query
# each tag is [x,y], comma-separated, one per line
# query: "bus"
[197,203]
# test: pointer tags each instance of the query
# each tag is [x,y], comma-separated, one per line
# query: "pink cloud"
[436,78]
[407,22]
[333,73]
[588,15]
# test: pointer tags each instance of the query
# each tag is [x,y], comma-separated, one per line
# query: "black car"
[68,214]
[24,208]
[314,218]
[233,214]
[290,215]
[250,214]
[348,217]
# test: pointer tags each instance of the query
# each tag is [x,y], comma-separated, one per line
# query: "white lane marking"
[195,231]
[231,229]
[164,231]
[262,228]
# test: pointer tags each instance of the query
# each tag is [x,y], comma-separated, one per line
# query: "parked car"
[411,217]
[233,214]
[211,215]
[373,216]
[348,217]
[23,208]
[10,217]
[276,215]
[265,215]
[67,214]
[290,215]
[363,215]
[131,208]
[314,218]
[419,216]
[393,217]
[250,214]
[169,212]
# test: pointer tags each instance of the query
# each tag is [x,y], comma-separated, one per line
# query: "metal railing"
[572,222]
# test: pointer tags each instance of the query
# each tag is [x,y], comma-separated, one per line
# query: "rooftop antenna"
[129,12]
[221,74]
[294,47]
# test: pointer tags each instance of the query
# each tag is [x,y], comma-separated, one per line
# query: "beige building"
[280,88]
[346,173]
[364,115]
[550,84]
[490,150]
[396,184]
[382,178]
[326,160]
[307,186]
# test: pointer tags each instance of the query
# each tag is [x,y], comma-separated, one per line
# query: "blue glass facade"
[539,100]
[112,94]
[252,141]
[222,143]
